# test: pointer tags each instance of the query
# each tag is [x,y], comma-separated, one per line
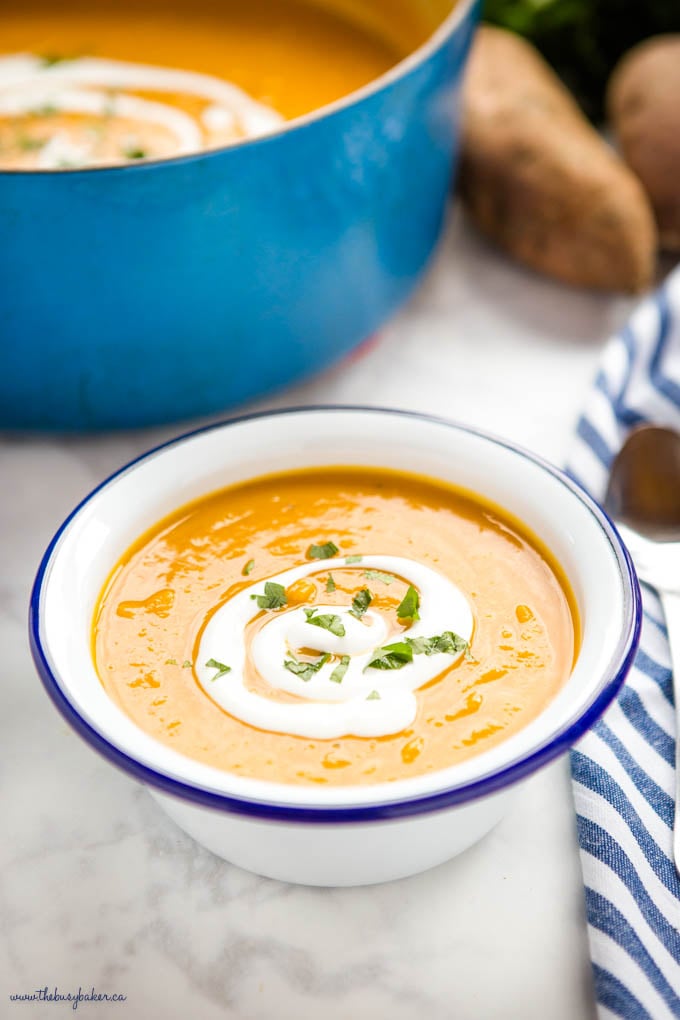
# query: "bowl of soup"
[201,202]
[332,641]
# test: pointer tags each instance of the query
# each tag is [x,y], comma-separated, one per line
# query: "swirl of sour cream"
[98,87]
[367,702]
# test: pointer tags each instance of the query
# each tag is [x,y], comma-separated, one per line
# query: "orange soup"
[335,626]
[85,84]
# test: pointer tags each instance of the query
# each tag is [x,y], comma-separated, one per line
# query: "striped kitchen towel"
[623,770]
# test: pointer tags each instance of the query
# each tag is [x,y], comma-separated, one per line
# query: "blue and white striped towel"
[623,770]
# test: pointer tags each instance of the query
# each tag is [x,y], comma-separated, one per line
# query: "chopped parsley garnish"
[222,670]
[330,583]
[360,603]
[322,552]
[305,670]
[448,642]
[408,607]
[29,144]
[394,656]
[248,569]
[274,596]
[340,670]
[50,59]
[187,664]
[135,152]
[373,696]
[46,110]
[377,575]
[354,559]
[171,662]
[328,621]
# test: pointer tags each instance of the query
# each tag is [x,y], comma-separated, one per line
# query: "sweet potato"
[643,101]
[537,178]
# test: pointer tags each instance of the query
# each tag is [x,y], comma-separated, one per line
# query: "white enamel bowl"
[347,835]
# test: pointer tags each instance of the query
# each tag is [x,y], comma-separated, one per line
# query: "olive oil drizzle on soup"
[100,84]
[157,609]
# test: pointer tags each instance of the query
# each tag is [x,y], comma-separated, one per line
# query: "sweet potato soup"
[85,84]
[334,626]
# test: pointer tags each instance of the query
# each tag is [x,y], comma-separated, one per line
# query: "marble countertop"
[98,888]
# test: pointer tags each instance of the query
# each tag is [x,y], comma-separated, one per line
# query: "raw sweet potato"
[537,178]
[643,100]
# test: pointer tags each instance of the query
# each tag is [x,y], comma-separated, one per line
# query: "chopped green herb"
[46,110]
[360,603]
[340,670]
[29,144]
[377,575]
[50,59]
[305,670]
[448,642]
[187,664]
[222,670]
[248,569]
[408,607]
[329,621]
[171,662]
[135,152]
[422,645]
[373,696]
[354,559]
[393,656]
[330,583]
[274,596]
[322,552]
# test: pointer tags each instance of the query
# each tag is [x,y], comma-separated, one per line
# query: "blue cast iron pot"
[141,294]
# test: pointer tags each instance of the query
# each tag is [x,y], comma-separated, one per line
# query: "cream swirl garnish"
[96,88]
[368,701]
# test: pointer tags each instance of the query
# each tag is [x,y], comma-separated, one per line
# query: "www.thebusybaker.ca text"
[45,995]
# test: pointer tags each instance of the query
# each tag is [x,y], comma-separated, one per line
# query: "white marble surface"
[98,887]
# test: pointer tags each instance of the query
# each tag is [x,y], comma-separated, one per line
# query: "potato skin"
[643,102]
[538,179]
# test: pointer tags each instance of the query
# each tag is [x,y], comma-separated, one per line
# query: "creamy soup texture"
[334,626]
[99,84]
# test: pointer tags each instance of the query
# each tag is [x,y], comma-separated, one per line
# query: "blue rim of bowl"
[493,782]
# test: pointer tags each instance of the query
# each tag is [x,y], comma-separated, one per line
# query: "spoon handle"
[671,607]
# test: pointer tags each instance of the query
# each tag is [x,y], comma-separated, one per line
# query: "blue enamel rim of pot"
[620,664]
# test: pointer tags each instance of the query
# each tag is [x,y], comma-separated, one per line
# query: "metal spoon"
[643,497]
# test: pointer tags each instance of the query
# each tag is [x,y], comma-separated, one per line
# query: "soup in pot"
[107,83]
